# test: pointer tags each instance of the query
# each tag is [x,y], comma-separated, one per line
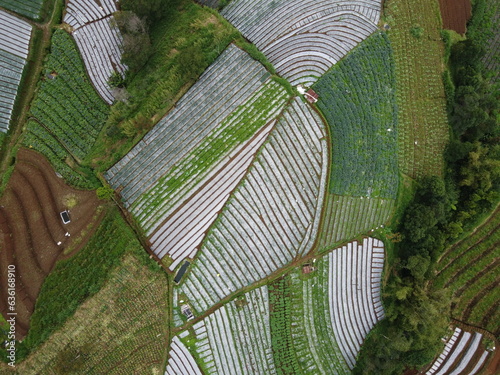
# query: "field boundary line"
[468,327]
[490,217]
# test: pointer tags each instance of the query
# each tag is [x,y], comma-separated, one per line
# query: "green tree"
[136,41]
[148,10]
[116,80]
[105,192]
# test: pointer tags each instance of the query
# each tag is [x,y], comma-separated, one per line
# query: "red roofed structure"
[311,96]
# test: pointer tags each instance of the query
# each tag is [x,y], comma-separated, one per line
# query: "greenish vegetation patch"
[38,138]
[301,332]
[357,97]
[348,217]
[418,55]
[121,329]
[28,8]
[66,102]
[184,42]
[74,280]
[285,358]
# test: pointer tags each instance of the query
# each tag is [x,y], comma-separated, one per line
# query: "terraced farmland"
[357,97]
[347,217]
[271,218]
[28,8]
[464,353]
[236,338]
[319,320]
[423,125]
[37,137]
[197,154]
[470,270]
[303,39]
[180,361]
[98,40]
[62,104]
[33,236]
[15,35]
[114,332]
[180,235]
[255,206]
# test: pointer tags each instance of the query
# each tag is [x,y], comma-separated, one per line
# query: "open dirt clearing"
[455,14]
[31,228]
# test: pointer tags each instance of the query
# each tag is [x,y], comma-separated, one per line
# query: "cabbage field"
[358,99]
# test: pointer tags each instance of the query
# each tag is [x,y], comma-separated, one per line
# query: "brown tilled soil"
[31,227]
[493,367]
[455,14]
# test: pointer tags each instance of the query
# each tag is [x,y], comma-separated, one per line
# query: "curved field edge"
[64,95]
[76,279]
[358,99]
[347,216]
[278,191]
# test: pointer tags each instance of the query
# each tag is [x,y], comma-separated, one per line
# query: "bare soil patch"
[31,228]
[455,14]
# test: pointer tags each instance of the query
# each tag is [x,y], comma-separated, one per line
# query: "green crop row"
[471,261]
[419,64]
[472,297]
[76,279]
[285,359]
[28,8]
[66,102]
[459,249]
[302,336]
[357,97]
[234,130]
[485,312]
[348,217]
[469,270]
[328,349]
[37,138]
[299,331]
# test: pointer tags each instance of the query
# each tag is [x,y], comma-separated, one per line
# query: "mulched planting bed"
[31,228]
